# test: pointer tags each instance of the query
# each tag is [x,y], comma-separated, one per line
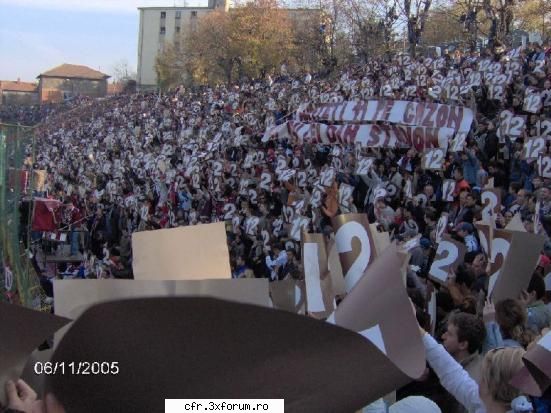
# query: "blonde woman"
[493,394]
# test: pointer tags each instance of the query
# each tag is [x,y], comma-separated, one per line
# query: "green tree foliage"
[533,15]
[251,40]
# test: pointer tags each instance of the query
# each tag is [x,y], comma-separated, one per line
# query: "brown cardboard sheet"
[195,252]
[22,330]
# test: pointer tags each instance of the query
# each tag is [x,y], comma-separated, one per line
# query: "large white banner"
[424,114]
[373,136]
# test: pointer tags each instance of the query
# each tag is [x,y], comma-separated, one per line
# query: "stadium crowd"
[154,160]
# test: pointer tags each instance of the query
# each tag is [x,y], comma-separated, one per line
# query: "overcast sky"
[37,35]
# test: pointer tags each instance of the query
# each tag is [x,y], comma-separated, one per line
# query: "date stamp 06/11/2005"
[77,368]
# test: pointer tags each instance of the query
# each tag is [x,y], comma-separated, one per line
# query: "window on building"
[163,15]
[178,14]
[177,29]
[163,30]
[193,14]
[177,45]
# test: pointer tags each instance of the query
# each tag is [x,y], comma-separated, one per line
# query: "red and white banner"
[372,136]
[422,125]
[424,114]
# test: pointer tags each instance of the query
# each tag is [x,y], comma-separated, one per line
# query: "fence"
[18,279]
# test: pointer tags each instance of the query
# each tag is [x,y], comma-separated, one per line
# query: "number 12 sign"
[448,256]
[544,166]
[434,159]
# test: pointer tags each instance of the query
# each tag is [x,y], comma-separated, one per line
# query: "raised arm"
[452,376]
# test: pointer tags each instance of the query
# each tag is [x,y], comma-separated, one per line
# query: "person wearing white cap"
[411,404]
[414,404]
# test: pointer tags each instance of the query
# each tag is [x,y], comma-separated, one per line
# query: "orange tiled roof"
[75,71]
[17,86]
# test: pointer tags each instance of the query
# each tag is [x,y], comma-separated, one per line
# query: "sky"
[38,35]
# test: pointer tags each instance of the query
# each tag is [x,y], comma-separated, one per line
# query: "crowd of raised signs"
[450,153]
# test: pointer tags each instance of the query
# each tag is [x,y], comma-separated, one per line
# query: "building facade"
[161,25]
[18,93]
[67,81]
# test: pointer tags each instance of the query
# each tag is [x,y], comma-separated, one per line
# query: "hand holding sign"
[23,330]
[510,124]
[533,148]
[491,200]
[355,246]
[380,310]
[544,166]
[251,225]
[320,298]
[441,227]
[345,197]
[457,144]
[514,258]
[434,159]
[286,174]
[448,256]
[496,91]
[532,101]
[327,177]
[364,165]
[299,224]
[266,181]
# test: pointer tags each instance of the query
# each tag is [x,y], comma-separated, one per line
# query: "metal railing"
[18,279]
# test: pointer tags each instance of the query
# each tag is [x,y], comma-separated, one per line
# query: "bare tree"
[373,28]
[501,15]
[364,27]
[122,71]
[415,13]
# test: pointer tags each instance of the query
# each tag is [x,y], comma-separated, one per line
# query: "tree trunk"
[412,38]
[228,75]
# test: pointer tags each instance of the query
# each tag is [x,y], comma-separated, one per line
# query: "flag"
[44,214]
[15,175]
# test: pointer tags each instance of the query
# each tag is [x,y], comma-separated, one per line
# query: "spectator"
[539,315]
[465,231]
[463,340]
[506,325]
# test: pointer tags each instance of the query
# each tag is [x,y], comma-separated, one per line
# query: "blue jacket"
[470,168]
[494,339]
